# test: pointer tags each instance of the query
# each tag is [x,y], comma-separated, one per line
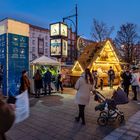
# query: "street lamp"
[75,25]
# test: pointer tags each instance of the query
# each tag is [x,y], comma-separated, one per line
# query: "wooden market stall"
[98,56]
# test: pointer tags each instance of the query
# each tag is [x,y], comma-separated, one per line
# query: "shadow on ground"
[52,100]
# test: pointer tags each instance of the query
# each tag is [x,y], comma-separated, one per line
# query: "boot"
[77,119]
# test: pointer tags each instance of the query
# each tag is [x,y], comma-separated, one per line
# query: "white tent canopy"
[43,60]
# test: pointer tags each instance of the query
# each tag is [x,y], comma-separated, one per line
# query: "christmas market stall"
[98,56]
[43,63]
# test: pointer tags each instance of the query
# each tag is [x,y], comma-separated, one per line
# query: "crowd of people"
[89,82]
[44,82]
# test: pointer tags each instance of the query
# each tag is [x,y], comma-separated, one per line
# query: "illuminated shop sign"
[64,47]
[56,47]
[58,29]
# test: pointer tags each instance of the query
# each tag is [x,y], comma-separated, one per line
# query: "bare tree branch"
[100,31]
[128,38]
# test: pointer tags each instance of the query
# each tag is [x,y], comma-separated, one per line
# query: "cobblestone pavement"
[52,118]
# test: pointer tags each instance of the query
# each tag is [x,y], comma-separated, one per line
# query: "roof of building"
[91,52]
[34,26]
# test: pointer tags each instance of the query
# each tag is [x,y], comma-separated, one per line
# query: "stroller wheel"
[103,114]
[102,121]
[121,118]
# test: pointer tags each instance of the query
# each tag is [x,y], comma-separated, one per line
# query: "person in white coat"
[135,82]
[84,86]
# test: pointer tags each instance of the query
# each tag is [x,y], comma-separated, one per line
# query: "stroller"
[108,107]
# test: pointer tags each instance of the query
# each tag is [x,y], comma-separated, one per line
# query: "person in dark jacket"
[126,77]
[111,77]
[47,81]
[59,82]
[38,83]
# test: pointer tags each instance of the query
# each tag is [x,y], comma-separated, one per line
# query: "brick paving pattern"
[52,118]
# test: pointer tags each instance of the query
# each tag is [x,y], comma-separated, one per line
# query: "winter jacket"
[24,83]
[126,76]
[111,74]
[135,79]
[83,91]
[48,77]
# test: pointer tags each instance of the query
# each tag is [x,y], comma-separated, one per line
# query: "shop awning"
[43,60]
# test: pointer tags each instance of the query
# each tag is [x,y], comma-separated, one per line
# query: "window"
[41,45]
[33,42]
[46,44]
[33,34]
[33,49]
[46,37]
[39,35]
[46,51]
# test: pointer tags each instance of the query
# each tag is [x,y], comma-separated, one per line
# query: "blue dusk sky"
[43,12]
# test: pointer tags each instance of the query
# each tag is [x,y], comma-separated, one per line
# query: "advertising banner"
[64,30]
[18,57]
[64,47]
[55,47]
[58,29]
[55,29]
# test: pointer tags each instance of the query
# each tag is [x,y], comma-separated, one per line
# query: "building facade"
[75,48]
[39,42]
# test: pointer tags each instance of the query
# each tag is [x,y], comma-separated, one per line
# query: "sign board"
[58,29]
[64,30]
[64,47]
[55,47]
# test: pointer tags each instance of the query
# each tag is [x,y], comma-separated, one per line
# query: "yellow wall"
[17,27]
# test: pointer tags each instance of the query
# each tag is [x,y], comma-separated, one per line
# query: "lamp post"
[75,25]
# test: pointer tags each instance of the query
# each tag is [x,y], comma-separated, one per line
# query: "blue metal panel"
[3,43]
[18,57]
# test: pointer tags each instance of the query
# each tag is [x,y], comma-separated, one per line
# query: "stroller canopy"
[120,96]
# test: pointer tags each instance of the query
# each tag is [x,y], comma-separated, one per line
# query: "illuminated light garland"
[77,63]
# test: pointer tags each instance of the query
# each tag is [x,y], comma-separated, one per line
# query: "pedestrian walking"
[135,83]
[24,82]
[59,82]
[101,84]
[84,86]
[111,77]
[38,83]
[47,82]
[126,80]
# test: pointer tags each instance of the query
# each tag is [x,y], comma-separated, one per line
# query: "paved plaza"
[52,118]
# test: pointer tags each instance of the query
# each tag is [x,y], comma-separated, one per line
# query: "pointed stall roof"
[91,53]
[43,60]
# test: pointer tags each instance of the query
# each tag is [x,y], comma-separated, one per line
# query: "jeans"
[134,89]
[48,85]
[111,83]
